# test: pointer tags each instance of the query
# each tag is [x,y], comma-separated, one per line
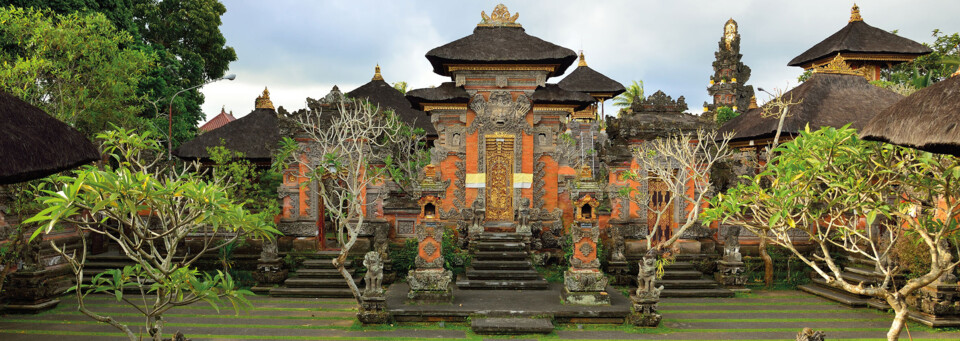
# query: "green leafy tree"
[931,68]
[401,86]
[149,210]
[77,67]
[848,196]
[725,114]
[634,91]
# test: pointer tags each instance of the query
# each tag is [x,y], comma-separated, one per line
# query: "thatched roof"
[928,120]
[584,79]
[500,45]
[827,100]
[859,38]
[255,135]
[553,94]
[378,92]
[447,92]
[34,144]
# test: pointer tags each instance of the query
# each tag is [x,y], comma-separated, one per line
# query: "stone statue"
[616,253]
[523,216]
[374,276]
[268,251]
[646,277]
[808,334]
[479,215]
[731,244]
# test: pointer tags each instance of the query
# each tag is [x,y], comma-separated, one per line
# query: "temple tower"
[727,84]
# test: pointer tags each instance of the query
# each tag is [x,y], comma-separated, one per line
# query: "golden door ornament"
[499,177]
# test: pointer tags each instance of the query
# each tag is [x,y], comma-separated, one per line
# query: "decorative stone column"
[270,269]
[429,281]
[372,303]
[730,272]
[35,287]
[937,304]
[584,283]
[644,311]
[618,265]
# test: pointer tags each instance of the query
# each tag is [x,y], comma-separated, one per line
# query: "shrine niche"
[586,209]
[429,207]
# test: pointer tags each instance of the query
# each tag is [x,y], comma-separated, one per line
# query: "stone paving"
[775,315]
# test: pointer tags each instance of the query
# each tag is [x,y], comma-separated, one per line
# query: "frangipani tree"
[858,197]
[149,209]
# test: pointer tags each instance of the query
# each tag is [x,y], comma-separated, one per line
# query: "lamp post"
[170,111]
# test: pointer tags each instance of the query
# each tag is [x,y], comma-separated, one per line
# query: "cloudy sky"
[302,48]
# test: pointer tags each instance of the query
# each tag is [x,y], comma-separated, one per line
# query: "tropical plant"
[149,209]
[848,196]
[725,114]
[634,91]
[401,86]
[930,68]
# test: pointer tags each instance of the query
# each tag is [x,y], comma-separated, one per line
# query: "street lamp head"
[761,89]
[230,77]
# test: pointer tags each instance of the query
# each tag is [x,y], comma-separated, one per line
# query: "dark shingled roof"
[928,120]
[34,144]
[447,92]
[255,135]
[378,92]
[858,37]
[585,79]
[500,45]
[553,94]
[828,100]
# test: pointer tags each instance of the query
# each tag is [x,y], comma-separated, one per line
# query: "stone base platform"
[511,325]
[506,303]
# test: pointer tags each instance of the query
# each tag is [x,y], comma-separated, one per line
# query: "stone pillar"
[372,303]
[644,311]
[270,269]
[429,282]
[584,283]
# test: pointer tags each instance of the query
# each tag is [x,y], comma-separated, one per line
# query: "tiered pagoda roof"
[859,39]
[554,94]
[255,135]
[447,92]
[926,120]
[587,80]
[378,92]
[498,39]
[826,99]
[34,144]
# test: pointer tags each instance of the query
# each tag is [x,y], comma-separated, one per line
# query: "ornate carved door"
[499,186]
[659,197]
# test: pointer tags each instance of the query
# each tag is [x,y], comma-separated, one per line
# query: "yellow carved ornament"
[500,17]
[263,101]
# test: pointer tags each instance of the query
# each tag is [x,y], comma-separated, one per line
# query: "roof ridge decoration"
[583,62]
[855,13]
[263,101]
[500,17]
[376,74]
[838,66]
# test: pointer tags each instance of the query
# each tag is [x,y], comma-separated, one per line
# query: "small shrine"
[728,83]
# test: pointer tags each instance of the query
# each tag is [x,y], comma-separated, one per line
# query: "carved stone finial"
[855,13]
[837,66]
[376,74]
[263,101]
[729,32]
[500,17]
[583,62]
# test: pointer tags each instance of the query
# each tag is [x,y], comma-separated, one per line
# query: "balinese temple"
[256,135]
[862,47]
[728,83]
[218,121]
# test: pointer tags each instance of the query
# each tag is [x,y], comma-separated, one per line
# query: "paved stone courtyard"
[774,315]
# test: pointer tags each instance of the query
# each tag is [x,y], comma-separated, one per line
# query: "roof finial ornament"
[753,103]
[855,13]
[263,101]
[376,74]
[838,65]
[583,62]
[500,17]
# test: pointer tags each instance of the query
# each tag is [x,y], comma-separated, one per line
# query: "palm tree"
[625,99]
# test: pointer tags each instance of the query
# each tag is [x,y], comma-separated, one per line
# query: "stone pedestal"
[35,291]
[730,274]
[270,272]
[430,285]
[585,287]
[621,272]
[644,311]
[936,305]
[373,310]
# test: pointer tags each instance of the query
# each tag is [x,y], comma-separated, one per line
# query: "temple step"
[500,246]
[682,274]
[475,274]
[689,284]
[836,295]
[310,292]
[297,282]
[321,273]
[470,284]
[324,263]
[502,265]
[511,325]
[500,255]
[680,266]
[500,237]
[718,292]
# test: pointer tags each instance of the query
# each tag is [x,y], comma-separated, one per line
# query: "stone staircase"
[318,277]
[111,259]
[682,279]
[501,262]
[857,270]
